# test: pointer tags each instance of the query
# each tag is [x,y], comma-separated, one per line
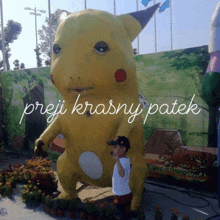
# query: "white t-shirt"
[120,185]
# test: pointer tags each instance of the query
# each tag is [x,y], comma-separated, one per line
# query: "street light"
[36,14]
[85,5]
[3,39]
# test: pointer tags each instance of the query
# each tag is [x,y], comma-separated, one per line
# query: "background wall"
[162,78]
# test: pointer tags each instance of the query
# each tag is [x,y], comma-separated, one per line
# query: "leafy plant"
[62,204]
[139,213]
[49,202]
[102,210]
[30,194]
[54,205]
[73,205]
[7,190]
[166,156]
[40,173]
[90,208]
[174,214]
[106,211]
[110,212]
[184,217]
[158,213]
[44,198]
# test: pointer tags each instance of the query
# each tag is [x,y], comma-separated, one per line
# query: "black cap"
[122,141]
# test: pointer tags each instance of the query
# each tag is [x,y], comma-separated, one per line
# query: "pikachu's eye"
[101,47]
[56,49]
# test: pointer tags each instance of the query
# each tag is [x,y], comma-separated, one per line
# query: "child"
[120,178]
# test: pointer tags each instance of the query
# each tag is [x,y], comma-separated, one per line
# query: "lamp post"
[138,35]
[85,4]
[3,39]
[49,11]
[36,14]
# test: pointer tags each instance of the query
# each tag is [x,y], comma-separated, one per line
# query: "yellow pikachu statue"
[93,57]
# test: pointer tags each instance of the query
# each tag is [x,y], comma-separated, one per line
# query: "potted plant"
[28,197]
[37,196]
[8,190]
[13,183]
[184,217]
[139,213]
[158,213]
[102,212]
[83,214]
[91,210]
[110,212]
[49,204]
[73,208]
[1,188]
[54,209]
[62,203]
[174,214]
[43,197]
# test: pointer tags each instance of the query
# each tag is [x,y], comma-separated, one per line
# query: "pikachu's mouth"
[80,89]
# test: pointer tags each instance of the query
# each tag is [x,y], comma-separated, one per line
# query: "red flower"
[158,207]
[8,184]
[112,203]
[102,205]
[175,212]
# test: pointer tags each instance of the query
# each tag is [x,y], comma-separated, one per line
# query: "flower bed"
[38,182]
[89,209]
[36,175]
[195,178]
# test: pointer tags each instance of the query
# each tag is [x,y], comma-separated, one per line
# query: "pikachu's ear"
[136,21]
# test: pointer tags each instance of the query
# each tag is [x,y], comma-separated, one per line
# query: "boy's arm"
[121,170]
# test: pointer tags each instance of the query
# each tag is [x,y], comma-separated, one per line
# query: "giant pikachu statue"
[92,57]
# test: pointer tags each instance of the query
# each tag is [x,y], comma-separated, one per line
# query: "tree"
[39,60]
[135,51]
[16,63]
[198,58]
[44,33]
[22,66]
[11,31]
[1,66]
[192,57]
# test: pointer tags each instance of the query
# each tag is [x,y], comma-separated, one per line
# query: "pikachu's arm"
[48,135]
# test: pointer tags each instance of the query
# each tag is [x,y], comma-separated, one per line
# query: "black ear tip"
[144,16]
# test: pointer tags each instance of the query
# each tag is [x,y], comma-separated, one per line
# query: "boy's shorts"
[123,205]
[123,199]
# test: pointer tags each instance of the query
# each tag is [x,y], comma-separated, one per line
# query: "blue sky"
[191,23]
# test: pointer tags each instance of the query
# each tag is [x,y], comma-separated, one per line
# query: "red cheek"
[51,77]
[120,75]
